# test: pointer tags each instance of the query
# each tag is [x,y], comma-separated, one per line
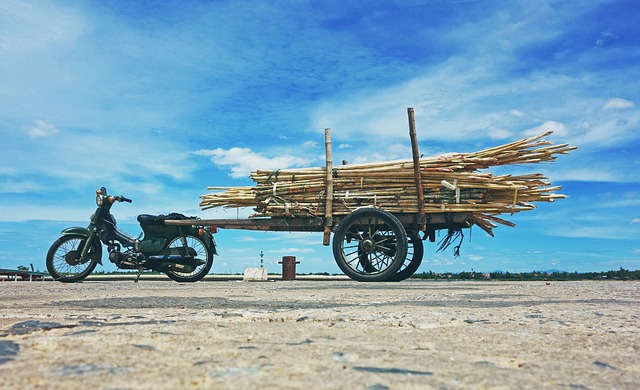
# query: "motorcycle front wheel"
[202,253]
[63,258]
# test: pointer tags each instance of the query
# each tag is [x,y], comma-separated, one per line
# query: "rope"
[271,174]
[449,239]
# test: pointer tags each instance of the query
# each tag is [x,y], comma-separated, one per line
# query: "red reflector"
[214,229]
[201,231]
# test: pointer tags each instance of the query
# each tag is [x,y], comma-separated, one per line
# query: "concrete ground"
[320,335]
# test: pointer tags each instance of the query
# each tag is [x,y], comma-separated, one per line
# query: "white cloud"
[344,146]
[472,102]
[474,257]
[606,38]
[289,250]
[497,133]
[61,212]
[20,187]
[630,199]
[241,161]
[26,27]
[389,152]
[613,128]
[246,239]
[617,103]
[592,174]
[42,129]
[70,159]
[558,129]
[598,232]
[635,220]
[309,145]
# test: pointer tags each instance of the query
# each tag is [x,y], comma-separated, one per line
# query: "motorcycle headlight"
[99,200]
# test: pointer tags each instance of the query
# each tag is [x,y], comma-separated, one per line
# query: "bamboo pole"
[416,168]
[326,240]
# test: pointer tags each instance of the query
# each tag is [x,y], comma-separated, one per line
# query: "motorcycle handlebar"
[123,199]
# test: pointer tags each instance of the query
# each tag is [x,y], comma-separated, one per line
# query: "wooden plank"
[264,224]
[409,220]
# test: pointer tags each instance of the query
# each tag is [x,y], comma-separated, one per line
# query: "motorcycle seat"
[148,219]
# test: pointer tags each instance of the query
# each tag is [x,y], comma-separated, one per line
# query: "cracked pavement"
[320,334]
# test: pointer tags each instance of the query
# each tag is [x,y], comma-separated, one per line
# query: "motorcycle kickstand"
[140,269]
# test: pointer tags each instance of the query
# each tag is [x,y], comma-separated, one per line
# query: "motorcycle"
[183,253]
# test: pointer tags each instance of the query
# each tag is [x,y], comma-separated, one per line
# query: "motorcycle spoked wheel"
[202,252]
[63,258]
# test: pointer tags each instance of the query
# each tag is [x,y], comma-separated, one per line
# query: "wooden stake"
[329,194]
[416,168]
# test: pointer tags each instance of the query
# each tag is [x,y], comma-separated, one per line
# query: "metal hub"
[72,257]
[368,245]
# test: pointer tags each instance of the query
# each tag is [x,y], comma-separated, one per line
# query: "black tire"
[415,252]
[62,258]
[202,252]
[370,245]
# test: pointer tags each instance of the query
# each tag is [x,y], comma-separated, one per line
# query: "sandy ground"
[320,335]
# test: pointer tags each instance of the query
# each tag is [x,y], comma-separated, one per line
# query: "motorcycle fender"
[78,230]
[211,242]
[75,230]
[208,239]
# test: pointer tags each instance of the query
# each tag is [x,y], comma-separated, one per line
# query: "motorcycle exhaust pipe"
[182,267]
[177,268]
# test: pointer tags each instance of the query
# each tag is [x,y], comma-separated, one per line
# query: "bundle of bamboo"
[450,183]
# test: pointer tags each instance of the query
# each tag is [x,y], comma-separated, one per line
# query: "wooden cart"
[369,244]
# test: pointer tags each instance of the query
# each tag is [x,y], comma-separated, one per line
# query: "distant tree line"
[621,274]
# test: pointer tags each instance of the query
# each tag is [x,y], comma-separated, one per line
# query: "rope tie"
[273,173]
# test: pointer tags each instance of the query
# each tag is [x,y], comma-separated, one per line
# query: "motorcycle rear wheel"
[63,258]
[202,253]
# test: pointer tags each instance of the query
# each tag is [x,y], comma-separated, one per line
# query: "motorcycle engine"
[127,259]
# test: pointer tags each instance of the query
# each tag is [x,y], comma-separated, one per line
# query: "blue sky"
[158,100]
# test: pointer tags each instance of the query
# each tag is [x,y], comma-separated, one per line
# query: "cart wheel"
[415,252]
[370,245]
